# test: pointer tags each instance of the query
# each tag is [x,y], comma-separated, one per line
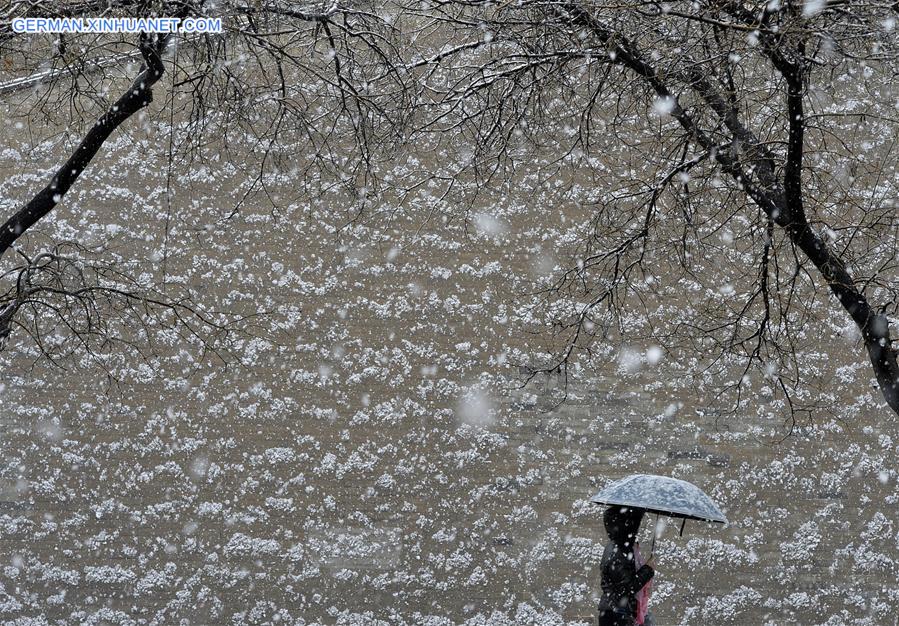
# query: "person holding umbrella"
[628,500]
[621,580]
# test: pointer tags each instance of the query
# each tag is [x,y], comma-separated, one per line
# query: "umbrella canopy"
[663,495]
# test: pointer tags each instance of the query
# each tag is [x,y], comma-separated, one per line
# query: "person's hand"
[651,562]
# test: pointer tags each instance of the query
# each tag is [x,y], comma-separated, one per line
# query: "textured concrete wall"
[333,478]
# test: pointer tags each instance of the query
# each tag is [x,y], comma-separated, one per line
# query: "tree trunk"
[138,95]
[780,200]
[874,327]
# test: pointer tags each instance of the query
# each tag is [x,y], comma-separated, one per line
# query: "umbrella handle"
[652,549]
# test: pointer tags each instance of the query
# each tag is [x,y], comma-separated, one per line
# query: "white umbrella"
[662,495]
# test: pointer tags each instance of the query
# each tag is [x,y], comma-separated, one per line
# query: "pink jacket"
[643,594]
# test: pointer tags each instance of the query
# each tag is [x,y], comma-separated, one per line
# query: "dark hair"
[622,524]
